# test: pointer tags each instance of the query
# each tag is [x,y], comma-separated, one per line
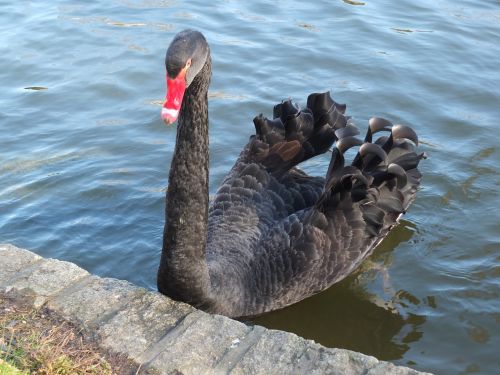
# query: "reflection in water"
[349,316]
[350,2]
[36,88]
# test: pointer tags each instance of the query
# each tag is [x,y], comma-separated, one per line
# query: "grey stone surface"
[94,300]
[13,261]
[171,337]
[232,357]
[45,279]
[280,352]
[276,352]
[141,323]
[340,361]
[383,368]
[198,343]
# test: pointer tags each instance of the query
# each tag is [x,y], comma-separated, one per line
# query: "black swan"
[273,235]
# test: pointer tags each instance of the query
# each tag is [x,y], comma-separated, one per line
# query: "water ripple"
[85,156]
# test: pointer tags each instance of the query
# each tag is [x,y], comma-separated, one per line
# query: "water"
[84,155]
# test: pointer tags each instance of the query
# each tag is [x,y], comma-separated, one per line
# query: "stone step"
[168,336]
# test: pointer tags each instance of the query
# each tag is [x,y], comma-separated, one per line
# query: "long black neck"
[183,273]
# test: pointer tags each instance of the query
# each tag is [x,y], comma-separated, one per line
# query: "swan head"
[185,57]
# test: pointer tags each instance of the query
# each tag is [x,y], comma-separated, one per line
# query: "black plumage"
[273,235]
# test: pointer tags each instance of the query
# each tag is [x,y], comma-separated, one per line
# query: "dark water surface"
[84,155]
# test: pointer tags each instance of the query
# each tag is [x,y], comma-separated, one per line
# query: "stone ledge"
[169,336]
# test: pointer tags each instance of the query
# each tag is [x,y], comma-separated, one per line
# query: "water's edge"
[165,335]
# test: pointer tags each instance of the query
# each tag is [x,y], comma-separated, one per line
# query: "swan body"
[273,235]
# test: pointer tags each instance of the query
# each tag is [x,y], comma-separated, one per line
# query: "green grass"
[33,342]
[7,369]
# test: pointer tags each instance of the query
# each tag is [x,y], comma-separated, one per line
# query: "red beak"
[173,100]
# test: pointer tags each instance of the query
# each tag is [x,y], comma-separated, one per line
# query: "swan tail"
[382,179]
[295,135]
